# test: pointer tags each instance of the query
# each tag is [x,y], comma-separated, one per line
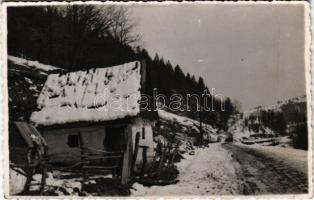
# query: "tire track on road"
[260,174]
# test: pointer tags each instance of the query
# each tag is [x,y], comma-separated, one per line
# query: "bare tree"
[84,20]
[101,20]
[123,26]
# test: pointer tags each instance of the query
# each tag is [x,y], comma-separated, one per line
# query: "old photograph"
[157,99]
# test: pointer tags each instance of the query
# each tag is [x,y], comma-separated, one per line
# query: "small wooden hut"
[96,115]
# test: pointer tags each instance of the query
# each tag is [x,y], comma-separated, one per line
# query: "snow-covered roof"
[98,94]
[33,65]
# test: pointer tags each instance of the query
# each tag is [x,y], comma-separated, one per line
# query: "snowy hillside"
[265,136]
[282,124]
[185,128]
[25,81]
[276,107]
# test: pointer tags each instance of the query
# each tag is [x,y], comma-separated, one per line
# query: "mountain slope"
[186,130]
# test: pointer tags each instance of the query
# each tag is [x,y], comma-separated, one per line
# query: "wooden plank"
[27,131]
[100,167]
[101,157]
[36,132]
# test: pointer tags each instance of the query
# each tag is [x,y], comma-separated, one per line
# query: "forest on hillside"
[76,37]
[287,118]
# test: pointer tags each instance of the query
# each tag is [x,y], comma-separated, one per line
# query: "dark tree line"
[274,120]
[71,37]
[170,80]
[86,36]
[290,120]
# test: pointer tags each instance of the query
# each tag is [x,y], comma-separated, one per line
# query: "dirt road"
[262,172]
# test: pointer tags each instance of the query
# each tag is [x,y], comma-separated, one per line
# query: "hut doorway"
[114,139]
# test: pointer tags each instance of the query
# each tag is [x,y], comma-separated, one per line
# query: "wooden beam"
[127,156]
[23,129]
[113,123]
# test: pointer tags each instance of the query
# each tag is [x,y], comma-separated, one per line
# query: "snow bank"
[100,94]
[17,181]
[67,184]
[63,186]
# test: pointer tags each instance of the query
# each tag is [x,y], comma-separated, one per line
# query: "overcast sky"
[252,53]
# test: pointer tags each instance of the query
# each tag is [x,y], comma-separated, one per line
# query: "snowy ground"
[220,169]
[210,171]
[294,158]
[270,170]
[230,169]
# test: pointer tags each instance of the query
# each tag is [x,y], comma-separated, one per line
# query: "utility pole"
[201,117]
[201,125]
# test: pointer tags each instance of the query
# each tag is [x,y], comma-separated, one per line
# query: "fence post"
[164,149]
[137,140]
[144,155]
[127,156]
[43,178]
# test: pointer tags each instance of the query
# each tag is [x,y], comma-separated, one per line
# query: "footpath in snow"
[210,171]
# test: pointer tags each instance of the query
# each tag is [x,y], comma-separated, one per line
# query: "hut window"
[143,133]
[73,141]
